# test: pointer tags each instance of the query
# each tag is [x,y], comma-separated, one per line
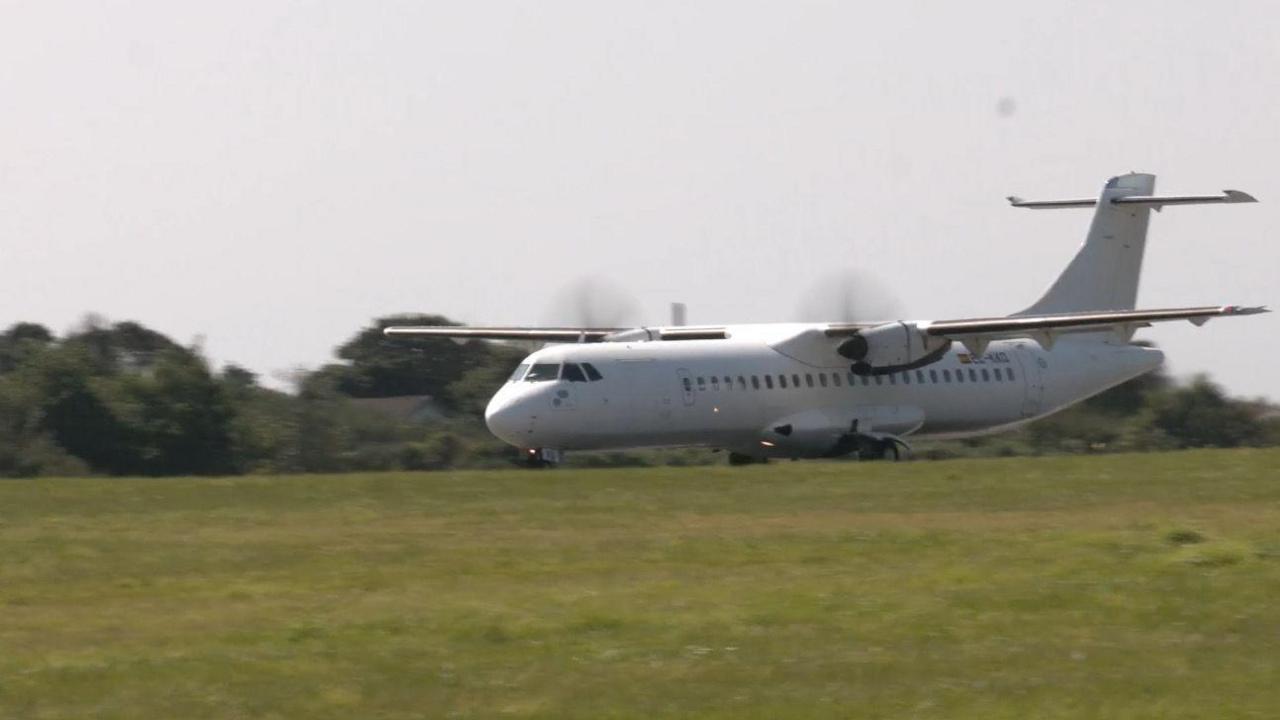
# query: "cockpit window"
[542,372]
[573,373]
[592,373]
[519,373]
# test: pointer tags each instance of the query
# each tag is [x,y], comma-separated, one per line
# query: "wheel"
[741,459]
[540,458]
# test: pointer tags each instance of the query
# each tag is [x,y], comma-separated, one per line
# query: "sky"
[265,178]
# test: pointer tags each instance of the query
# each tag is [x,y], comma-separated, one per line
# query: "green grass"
[1092,587]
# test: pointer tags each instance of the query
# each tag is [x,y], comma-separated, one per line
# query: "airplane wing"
[546,334]
[892,346]
[558,334]
[1044,329]
[974,333]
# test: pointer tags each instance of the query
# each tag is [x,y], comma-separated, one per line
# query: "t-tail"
[1105,272]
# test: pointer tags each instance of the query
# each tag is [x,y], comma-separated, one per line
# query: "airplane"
[823,390]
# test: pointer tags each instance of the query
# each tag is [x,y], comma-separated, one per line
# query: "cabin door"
[648,395]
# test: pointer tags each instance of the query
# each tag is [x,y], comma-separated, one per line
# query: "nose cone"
[505,419]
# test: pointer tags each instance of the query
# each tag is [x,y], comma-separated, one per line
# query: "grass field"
[1098,587]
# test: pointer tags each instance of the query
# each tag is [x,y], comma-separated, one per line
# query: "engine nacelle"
[892,347]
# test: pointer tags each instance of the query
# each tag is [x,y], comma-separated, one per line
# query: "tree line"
[122,399]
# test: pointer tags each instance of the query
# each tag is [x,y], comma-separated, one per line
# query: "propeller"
[849,296]
[593,304]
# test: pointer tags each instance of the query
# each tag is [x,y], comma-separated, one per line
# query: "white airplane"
[791,390]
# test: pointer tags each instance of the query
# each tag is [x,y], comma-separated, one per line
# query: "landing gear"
[542,458]
[878,449]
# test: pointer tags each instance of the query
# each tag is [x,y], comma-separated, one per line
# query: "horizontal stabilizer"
[1152,201]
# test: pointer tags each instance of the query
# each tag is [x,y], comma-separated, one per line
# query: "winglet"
[1236,196]
[1237,310]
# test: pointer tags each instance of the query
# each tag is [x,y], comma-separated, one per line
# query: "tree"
[19,342]
[384,367]
[1201,415]
[320,437]
[122,347]
[176,418]
[73,411]
[123,399]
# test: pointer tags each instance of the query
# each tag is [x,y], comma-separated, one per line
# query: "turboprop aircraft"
[808,390]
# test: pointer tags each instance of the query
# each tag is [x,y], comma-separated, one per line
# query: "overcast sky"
[272,175]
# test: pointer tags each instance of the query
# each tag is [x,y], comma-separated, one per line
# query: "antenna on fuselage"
[679,313]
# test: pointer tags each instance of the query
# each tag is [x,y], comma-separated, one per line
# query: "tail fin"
[1104,273]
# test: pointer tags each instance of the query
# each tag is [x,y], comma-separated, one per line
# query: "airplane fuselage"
[764,393]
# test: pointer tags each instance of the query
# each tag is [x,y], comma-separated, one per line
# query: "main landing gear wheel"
[877,449]
[542,458]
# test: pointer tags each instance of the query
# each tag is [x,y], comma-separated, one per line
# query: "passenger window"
[728,383]
[782,381]
[592,373]
[851,378]
[573,373]
[795,380]
[893,379]
[742,383]
[755,383]
[715,383]
[835,378]
[866,380]
[906,377]
[985,376]
[1009,372]
[933,376]
[879,379]
[920,376]
[946,376]
[959,375]
[973,375]
[542,372]
[822,379]
[808,380]
[688,385]
[768,382]
[519,372]
[702,383]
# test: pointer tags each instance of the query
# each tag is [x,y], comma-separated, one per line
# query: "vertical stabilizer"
[1104,273]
